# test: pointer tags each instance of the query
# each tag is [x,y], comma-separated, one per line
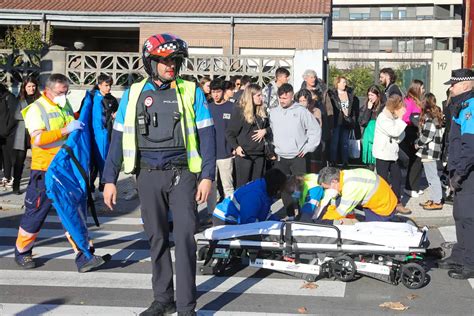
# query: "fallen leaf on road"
[412,297]
[302,310]
[396,306]
[309,285]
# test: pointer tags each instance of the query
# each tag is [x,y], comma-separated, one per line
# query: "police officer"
[461,170]
[164,133]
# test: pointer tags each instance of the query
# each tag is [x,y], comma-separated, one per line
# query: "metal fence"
[83,68]
[364,73]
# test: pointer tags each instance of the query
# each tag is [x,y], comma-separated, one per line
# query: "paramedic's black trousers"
[463,250]
[158,195]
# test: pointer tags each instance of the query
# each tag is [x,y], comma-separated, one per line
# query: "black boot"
[159,309]
[448,264]
[461,274]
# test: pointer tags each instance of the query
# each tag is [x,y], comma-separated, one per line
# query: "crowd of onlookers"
[259,127]
[386,130]
[14,138]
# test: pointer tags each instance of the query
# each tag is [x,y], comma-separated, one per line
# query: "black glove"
[455,182]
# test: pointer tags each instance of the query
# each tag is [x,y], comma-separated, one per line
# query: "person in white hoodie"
[295,133]
[389,132]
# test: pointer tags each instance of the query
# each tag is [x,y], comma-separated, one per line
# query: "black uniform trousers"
[463,250]
[160,192]
[294,166]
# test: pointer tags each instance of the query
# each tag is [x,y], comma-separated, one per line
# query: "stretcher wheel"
[413,275]
[344,268]
[310,278]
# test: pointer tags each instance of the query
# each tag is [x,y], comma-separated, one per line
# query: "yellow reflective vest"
[45,115]
[310,181]
[185,91]
[362,187]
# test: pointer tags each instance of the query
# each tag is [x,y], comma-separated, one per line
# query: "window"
[424,13]
[442,44]
[359,13]
[386,14]
[405,45]
[402,13]
[385,45]
[428,44]
[361,45]
[336,14]
[419,45]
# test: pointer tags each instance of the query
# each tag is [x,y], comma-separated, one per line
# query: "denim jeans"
[339,144]
[434,182]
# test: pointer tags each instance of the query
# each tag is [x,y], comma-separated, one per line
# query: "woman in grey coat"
[29,93]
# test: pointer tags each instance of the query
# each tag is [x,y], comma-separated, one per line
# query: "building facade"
[294,31]
[421,38]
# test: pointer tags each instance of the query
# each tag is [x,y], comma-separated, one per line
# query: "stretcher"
[387,251]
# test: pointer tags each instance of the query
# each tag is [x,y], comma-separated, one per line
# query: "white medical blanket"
[378,233]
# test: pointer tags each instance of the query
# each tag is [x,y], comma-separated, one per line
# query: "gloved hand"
[455,182]
[74,125]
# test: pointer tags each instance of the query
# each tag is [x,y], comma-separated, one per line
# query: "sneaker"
[425,203]
[84,265]
[433,207]
[25,261]
[420,192]
[158,309]
[402,209]
[132,195]
[187,313]
[410,193]
[449,200]
[9,183]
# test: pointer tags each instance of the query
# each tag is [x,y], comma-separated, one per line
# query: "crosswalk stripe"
[103,220]
[68,253]
[81,310]
[115,280]
[93,234]
[448,233]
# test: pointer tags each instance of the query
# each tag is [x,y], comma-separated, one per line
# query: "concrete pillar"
[53,60]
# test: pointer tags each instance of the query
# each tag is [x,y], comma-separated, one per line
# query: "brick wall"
[246,35]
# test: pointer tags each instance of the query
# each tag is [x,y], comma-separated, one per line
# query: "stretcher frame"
[312,261]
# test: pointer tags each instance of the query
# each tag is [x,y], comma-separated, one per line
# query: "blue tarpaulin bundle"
[67,183]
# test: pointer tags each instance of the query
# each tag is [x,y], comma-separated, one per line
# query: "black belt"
[167,166]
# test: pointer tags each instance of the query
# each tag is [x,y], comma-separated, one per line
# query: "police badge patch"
[148,101]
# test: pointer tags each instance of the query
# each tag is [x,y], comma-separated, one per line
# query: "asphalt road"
[123,286]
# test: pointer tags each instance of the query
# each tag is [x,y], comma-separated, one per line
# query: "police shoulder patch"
[468,115]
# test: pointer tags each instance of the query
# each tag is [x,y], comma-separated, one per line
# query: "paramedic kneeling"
[251,202]
[307,193]
[358,187]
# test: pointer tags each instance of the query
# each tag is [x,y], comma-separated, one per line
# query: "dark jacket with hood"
[8,104]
